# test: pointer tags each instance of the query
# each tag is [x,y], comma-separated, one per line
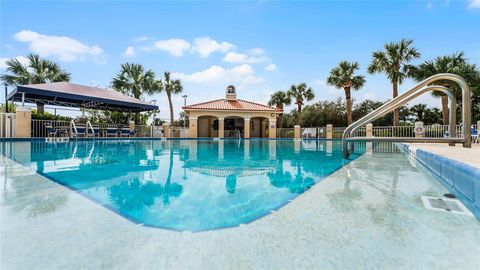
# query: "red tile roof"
[231,105]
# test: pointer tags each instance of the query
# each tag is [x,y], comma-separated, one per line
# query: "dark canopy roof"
[81,96]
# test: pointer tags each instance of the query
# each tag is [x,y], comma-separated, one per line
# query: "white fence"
[7,125]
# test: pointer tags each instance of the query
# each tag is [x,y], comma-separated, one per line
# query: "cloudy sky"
[259,46]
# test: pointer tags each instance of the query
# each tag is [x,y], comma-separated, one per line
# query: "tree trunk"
[40,108]
[299,114]
[348,99]
[279,119]
[396,112]
[445,109]
[137,118]
[169,95]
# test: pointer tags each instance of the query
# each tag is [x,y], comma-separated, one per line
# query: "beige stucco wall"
[221,115]
[23,123]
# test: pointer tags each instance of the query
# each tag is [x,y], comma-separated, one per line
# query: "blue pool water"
[191,185]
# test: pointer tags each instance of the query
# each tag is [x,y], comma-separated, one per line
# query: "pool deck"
[366,215]
[470,156]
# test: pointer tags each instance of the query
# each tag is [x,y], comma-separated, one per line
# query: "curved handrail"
[89,126]
[73,127]
[379,113]
[414,92]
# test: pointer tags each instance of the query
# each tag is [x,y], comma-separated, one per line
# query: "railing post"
[297,132]
[369,130]
[329,131]
[419,129]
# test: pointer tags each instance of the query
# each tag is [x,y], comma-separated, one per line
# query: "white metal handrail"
[413,93]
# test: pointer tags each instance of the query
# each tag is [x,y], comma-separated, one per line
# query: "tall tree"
[37,70]
[300,93]
[419,111]
[170,87]
[134,80]
[280,99]
[443,64]
[343,76]
[394,62]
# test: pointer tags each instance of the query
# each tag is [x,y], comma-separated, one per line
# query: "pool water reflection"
[181,185]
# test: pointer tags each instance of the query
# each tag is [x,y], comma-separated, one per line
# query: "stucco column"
[131,125]
[193,129]
[272,128]
[246,128]
[23,122]
[221,128]
[369,130]
[329,131]
[419,130]
[297,132]
[166,130]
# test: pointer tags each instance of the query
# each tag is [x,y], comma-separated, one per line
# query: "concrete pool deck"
[368,214]
[470,156]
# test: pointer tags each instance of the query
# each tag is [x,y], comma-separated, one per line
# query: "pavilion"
[232,117]
[70,95]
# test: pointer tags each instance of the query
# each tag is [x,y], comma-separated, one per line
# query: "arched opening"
[258,127]
[233,125]
[207,126]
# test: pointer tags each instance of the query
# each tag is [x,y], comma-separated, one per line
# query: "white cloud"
[174,46]
[240,58]
[256,51]
[65,48]
[474,4]
[242,75]
[3,61]
[130,52]
[205,46]
[271,67]
[140,39]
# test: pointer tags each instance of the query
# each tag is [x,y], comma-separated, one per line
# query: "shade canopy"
[80,96]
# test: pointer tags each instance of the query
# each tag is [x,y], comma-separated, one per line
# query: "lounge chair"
[111,132]
[309,133]
[51,131]
[474,135]
[125,132]
[93,132]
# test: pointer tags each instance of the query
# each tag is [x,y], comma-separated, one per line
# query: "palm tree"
[37,70]
[133,80]
[280,99]
[342,76]
[443,64]
[300,93]
[419,110]
[394,62]
[170,87]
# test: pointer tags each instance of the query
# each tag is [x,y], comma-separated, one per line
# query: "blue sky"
[259,46]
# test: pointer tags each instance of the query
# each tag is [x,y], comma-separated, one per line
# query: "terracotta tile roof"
[231,105]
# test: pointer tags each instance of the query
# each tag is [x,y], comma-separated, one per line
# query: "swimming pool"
[367,214]
[185,185]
